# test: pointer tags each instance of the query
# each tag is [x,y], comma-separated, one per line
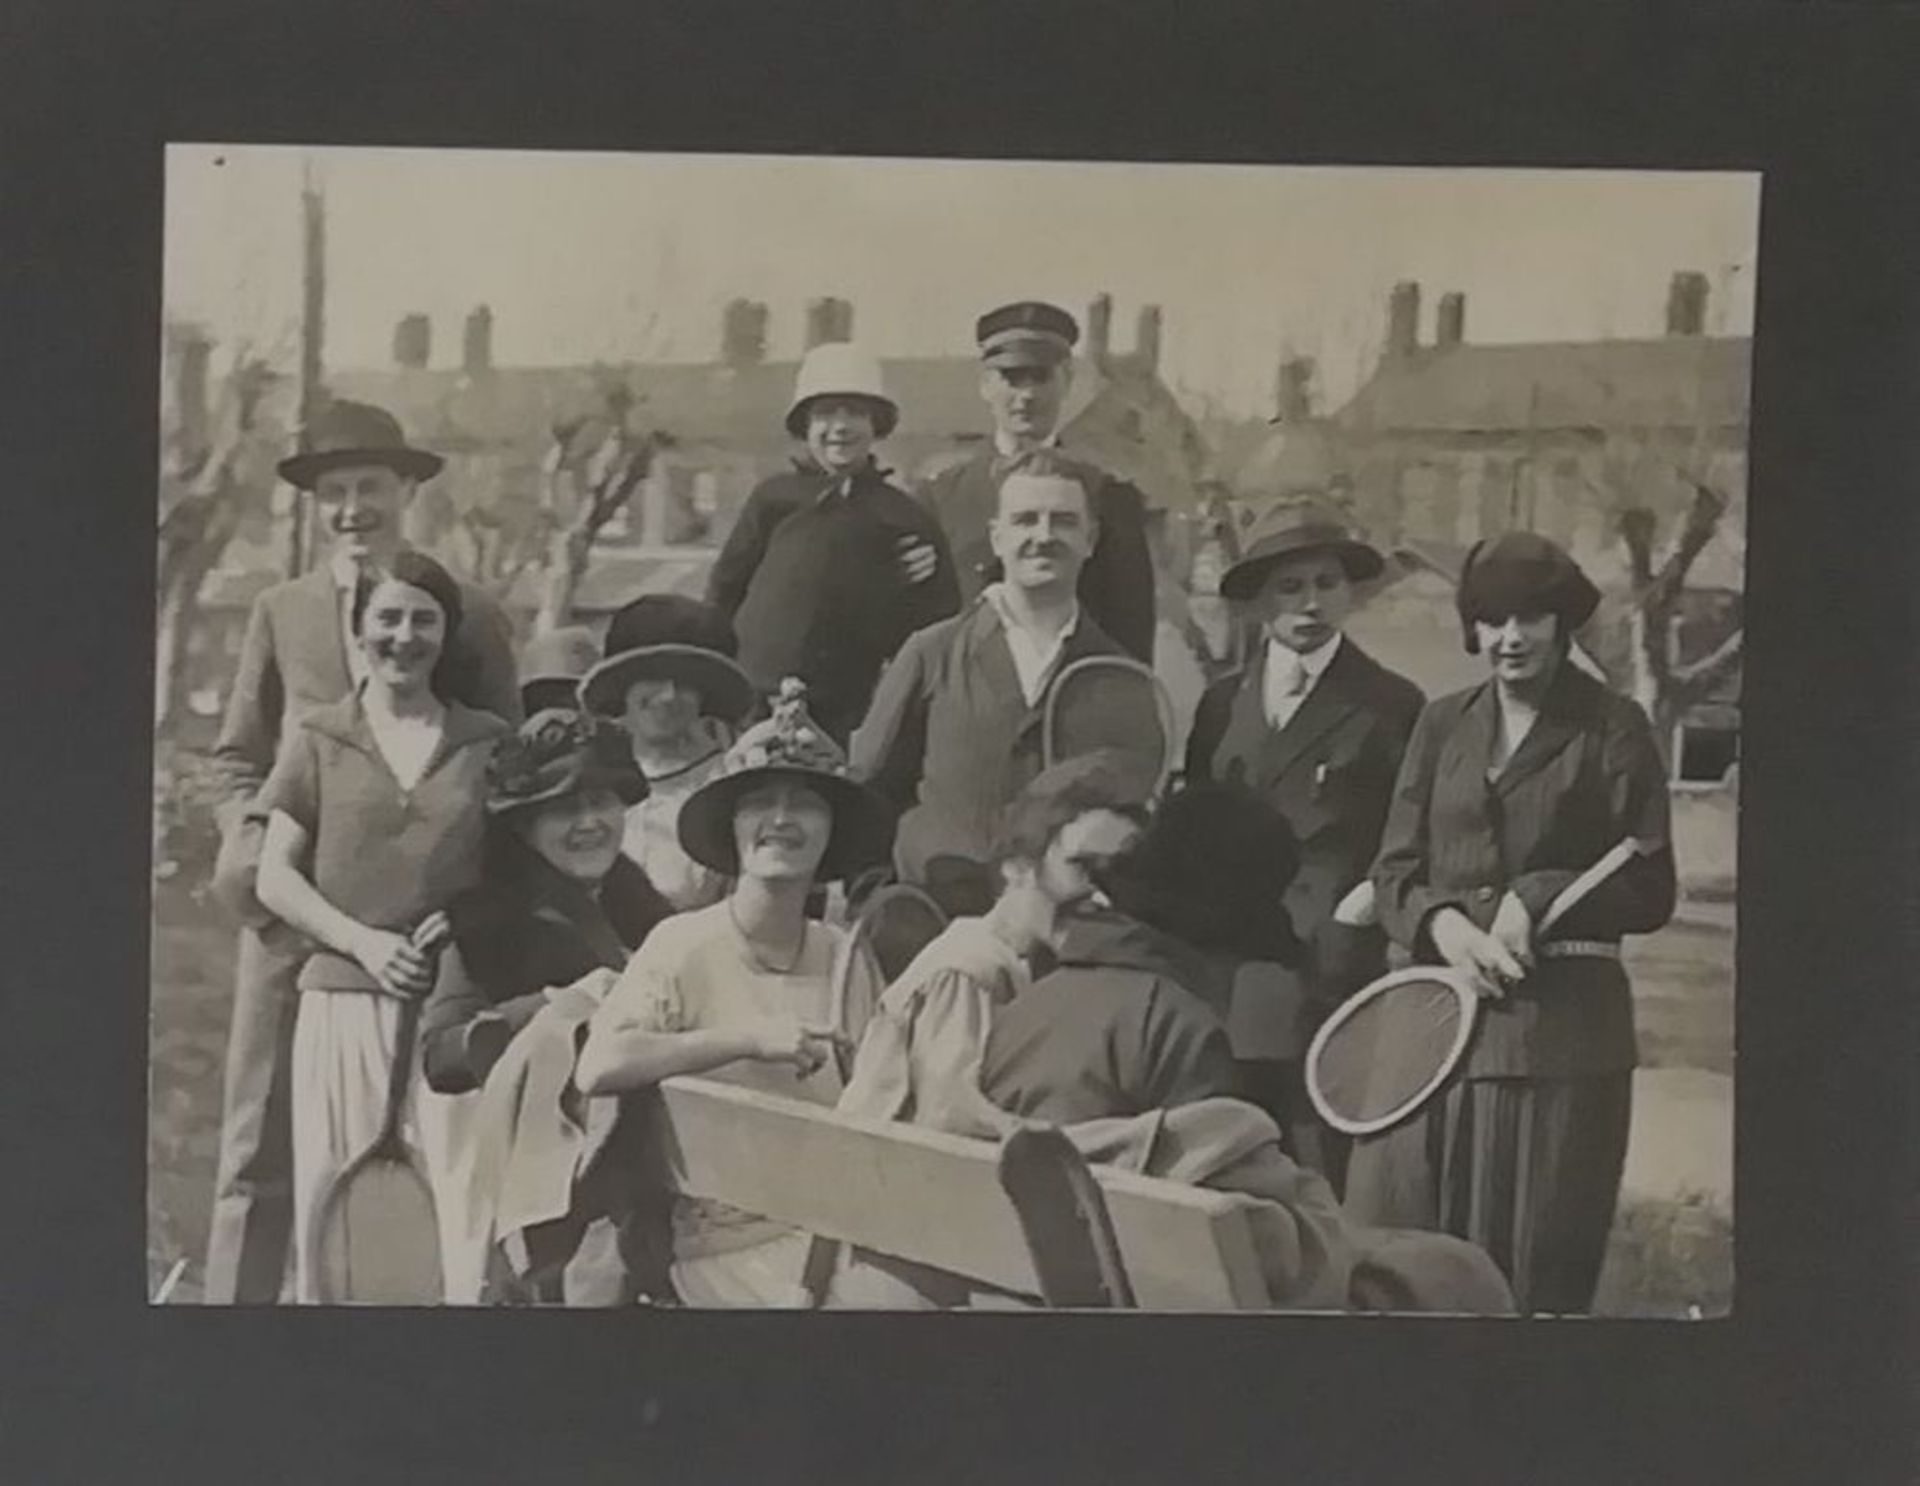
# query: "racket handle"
[1576,892]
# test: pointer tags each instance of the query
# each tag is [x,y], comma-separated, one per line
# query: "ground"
[1672,1243]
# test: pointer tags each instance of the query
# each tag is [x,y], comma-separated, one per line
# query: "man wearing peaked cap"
[1318,727]
[1026,370]
[831,566]
[297,656]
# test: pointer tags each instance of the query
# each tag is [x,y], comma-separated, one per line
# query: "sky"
[618,257]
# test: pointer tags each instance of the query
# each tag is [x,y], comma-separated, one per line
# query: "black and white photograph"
[816,732]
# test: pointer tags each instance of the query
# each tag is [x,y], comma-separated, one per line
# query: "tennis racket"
[1102,702]
[1387,1048]
[894,924]
[376,1238]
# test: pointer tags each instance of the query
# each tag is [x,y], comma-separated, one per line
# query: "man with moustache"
[954,732]
[1026,354]
[1318,727]
[298,656]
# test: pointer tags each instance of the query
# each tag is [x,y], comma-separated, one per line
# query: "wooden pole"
[313,310]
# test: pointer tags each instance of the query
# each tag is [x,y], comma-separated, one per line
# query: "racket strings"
[1384,1055]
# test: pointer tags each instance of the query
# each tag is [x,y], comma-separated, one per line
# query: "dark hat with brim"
[725,691]
[789,746]
[345,434]
[557,752]
[1522,572]
[1293,528]
[1027,333]
[670,637]
[1212,869]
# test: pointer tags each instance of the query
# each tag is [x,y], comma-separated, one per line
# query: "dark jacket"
[1116,586]
[524,930]
[1129,1020]
[950,738]
[1585,776]
[1331,772]
[810,576]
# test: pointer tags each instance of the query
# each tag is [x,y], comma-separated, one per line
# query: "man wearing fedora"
[297,656]
[831,566]
[1026,371]
[1318,727]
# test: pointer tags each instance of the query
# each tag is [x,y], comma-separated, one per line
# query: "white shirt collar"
[1277,702]
[1004,446]
[1033,657]
[346,572]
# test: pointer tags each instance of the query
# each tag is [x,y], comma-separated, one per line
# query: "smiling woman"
[373,826]
[750,990]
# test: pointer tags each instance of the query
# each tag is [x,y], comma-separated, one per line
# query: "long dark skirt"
[1529,1169]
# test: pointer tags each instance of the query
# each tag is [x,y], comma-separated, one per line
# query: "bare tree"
[502,540]
[592,468]
[215,468]
[1665,686]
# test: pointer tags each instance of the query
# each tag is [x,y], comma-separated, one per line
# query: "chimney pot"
[1146,338]
[1450,320]
[828,319]
[477,350]
[1403,319]
[1687,304]
[1100,327]
[412,341]
[1295,398]
[743,333]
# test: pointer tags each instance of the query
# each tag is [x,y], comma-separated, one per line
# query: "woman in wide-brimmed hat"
[670,679]
[744,990]
[557,898]
[1509,791]
[556,903]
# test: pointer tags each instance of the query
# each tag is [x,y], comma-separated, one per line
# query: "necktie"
[1287,681]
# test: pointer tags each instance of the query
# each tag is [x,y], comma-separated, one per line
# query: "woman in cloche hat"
[744,989]
[1511,790]
[669,677]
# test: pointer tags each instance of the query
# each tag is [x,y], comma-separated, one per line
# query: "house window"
[1703,752]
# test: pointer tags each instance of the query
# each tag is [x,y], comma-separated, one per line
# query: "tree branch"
[1702,521]
[1636,530]
[1700,676]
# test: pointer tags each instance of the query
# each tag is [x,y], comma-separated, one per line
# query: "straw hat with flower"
[788,745]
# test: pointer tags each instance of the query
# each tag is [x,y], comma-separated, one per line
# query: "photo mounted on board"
[1192,765]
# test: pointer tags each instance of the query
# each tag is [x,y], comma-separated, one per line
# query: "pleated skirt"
[343,1045]
[1529,1169]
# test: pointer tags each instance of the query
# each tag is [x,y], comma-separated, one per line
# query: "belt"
[1580,949]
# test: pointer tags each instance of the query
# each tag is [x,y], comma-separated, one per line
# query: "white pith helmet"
[841,369]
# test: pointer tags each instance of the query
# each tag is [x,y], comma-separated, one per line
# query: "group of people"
[624,860]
